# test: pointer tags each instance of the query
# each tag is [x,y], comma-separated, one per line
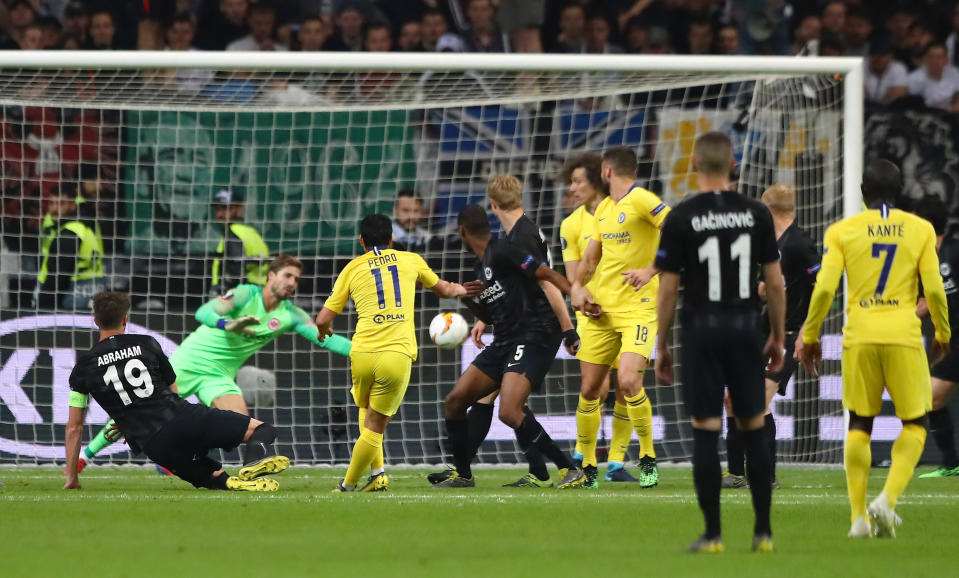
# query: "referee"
[800,263]
[716,243]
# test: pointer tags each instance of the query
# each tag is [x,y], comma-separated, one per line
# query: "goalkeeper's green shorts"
[206,386]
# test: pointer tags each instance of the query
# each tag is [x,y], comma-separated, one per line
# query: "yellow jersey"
[629,232]
[884,252]
[382,284]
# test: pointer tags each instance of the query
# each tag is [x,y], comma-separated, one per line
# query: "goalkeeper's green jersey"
[210,349]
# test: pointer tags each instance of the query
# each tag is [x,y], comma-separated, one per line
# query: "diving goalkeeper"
[234,327]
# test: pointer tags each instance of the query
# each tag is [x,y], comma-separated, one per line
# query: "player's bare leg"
[514,393]
[630,380]
[231,402]
[595,378]
[472,386]
[942,429]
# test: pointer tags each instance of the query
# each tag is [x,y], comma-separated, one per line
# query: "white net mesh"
[310,153]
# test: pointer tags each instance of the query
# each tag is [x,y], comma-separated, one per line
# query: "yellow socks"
[622,432]
[377,464]
[588,417]
[905,455]
[641,415]
[367,447]
[858,459]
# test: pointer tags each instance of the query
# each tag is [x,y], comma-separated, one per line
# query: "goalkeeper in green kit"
[234,327]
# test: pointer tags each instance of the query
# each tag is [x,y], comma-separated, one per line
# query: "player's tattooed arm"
[579,296]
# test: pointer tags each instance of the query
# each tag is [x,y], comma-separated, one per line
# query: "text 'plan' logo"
[50,402]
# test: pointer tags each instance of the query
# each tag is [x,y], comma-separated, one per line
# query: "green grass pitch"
[133,522]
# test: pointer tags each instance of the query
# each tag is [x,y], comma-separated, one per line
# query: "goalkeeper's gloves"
[241,326]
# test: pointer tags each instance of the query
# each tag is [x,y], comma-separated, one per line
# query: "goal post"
[311,142]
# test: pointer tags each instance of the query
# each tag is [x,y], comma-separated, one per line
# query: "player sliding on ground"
[132,380]
[382,284]
[505,193]
[583,175]
[234,327]
[624,234]
[884,252]
[526,336]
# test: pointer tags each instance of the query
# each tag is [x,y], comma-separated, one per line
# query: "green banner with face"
[303,180]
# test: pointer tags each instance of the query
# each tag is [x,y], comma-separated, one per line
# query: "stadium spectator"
[727,41]
[830,45]
[806,36]
[636,37]
[410,38]
[953,38]
[76,22]
[834,18]
[150,35]
[242,256]
[522,21]
[220,23]
[349,37]
[261,20]
[102,31]
[634,11]
[52,32]
[920,37]
[483,34]
[597,36]
[937,82]
[434,28]
[31,38]
[71,256]
[572,28]
[408,232]
[179,36]
[700,36]
[313,34]
[20,15]
[897,25]
[886,79]
[379,38]
[857,30]
[658,41]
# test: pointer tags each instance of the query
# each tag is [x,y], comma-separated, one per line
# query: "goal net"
[141,146]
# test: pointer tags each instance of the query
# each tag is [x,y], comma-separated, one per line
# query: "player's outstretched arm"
[323,321]
[331,342]
[219,313]
[776,305]
[73,438]
[448,290]
[665,308]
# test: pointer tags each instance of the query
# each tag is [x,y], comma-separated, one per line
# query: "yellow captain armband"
[78,399]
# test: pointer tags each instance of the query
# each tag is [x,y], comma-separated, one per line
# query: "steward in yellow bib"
[242,256]
[71,254]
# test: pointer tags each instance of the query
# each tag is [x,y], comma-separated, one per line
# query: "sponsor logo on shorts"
[273,324]
[622,218]
[511,364]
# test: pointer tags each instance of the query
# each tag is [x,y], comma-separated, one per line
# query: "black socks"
[707,477]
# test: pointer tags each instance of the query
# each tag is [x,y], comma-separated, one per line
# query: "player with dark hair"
[799,261]
[233,327]
[621,298]
[716,243]
[526,335]
[382,283]
[133,381]
[945,374]
[884,252]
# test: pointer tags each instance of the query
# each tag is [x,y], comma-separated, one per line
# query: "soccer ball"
[448,330]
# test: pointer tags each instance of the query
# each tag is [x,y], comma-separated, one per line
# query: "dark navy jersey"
[718,243]
[949,267]
[130,377]
[517,306]
[800,264]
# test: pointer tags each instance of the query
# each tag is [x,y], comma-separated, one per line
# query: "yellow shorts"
[603,340]
[867,369]
[380,380]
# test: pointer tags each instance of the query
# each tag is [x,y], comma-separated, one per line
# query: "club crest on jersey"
[273,324]
[488,272]
[659,209]
[945,270]
[622,218]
